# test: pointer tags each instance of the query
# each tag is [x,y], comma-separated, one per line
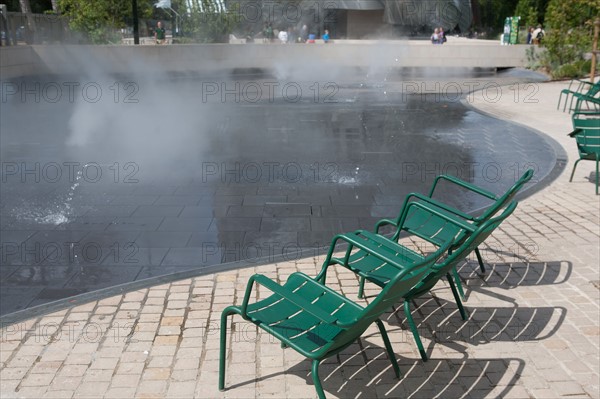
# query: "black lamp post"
[136,28]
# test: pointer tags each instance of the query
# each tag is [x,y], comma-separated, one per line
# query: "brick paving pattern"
[533,329]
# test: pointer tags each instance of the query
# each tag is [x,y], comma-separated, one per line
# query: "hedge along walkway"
[532,332]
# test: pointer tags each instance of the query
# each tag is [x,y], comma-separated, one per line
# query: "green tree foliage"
[526,9]
[532,12]
[493,13]
[99,20]
[569,32]
[208,21]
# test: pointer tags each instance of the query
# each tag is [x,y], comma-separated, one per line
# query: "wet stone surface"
[100,193]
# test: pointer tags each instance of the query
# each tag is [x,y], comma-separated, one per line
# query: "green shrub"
[566,71]
[569,30]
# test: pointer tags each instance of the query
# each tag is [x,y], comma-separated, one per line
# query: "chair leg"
[573,171]
[461,309]
[480,260]
[458,283]
[560,98]
[388,347]
[223,348]
[361,288]
[414,330]
[570,104]
[597,176]
[316,380]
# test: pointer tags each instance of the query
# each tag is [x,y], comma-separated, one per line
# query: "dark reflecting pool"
[119,179]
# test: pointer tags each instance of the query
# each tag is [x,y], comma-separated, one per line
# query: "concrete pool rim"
[560,163]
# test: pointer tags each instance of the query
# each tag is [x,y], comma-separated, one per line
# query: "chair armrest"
[384,222]
[461,183]
[288,295]
[443,206]
[574,132]
[582,82]
[429,200]
[459,223]
[359,243]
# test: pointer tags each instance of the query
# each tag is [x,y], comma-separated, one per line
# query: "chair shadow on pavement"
[453,370]
[439,321]
[364,371]
[509,275]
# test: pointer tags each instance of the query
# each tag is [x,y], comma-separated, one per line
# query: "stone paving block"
[157,292]
[166,340]
[151,389]
[163,350]
[107,363]
[15,373]
[175,312]
[169,330]
[37,380]
[95,390]
[184,375]
[46,367]
[119,393]
[159,373]
[21,361]
[72,370]
[133,355]
[130,368]
[79,358]
[59,394]
[181,389]
[160,361]
[98,375]
[125,381]
[32,392]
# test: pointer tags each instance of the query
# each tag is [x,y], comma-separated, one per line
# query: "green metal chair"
[368,264]
[586,91]
[586,99]
[582,87]
[318,322]
[438,231]
[587,135]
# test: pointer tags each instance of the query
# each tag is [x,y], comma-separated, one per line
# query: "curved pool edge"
[560,159]
[560,162]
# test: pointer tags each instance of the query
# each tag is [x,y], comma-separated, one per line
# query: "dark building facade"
[360,19]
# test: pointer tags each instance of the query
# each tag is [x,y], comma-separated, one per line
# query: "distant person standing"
[304,34]
[538,35]
[283,36]
[325,36]
[442,36]
[530,35]
[292,35]
[435,38]
[159,33]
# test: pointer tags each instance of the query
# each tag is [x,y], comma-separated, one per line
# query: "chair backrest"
[507,197]
[472,241]
[588,137]
[398,286]
[593,90]
[411,281]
